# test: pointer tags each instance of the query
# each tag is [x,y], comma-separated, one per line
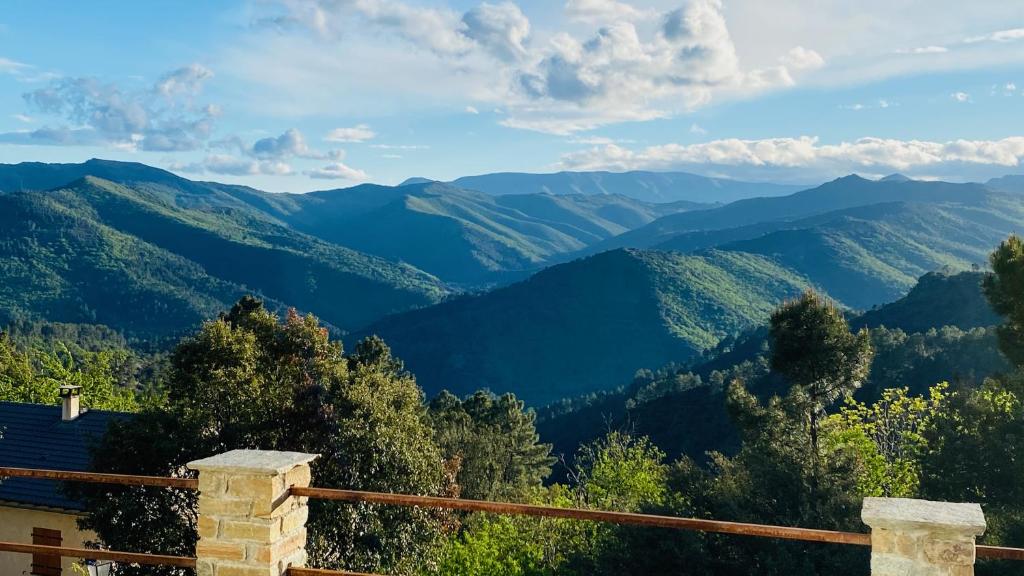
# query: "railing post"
[249,525]
[922,538]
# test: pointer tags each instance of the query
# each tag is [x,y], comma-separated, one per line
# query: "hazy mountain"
[646,186]
[152,258]
[1012,183]
[464,236]
[843,193]
[586,325]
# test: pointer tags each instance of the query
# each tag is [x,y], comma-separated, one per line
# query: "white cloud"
[472,110]
[400,146]
[8,66]
[882,103]
[805,158]
[696,129]
[960,96]
[227,164]
[160,118]
[360,133]
[289,144]
[23,118]
[629,69]
[800,58]
[338,171]
[501,29]
[1010,35]
[604,11]
[933,49]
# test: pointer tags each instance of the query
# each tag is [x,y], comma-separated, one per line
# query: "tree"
[813,348]
[249,380]
[35,375]
[890,437]
[495,440]
[1004,289]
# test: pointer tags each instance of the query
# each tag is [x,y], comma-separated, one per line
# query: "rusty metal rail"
[741,528]
[93,477]
[90,554]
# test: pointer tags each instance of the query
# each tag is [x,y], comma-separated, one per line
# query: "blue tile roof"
[34,436]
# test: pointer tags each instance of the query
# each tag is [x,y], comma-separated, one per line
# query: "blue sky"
[290,95]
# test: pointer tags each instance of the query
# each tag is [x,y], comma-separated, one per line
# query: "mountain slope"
[646,186]
[840,194]
[464,236]
[235,250]
[938,299]
[587,325]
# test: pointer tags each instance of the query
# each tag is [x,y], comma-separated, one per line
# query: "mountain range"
[550,293]
[639,185]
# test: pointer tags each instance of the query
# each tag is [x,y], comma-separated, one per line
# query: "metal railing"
[620,518]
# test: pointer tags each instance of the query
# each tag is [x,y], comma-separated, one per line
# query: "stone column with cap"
[249,525]
[922,538]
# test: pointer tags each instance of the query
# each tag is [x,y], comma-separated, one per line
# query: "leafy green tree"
[250,380]
[496,442]
[35,375]
[976,454]
[616,472]
[890,437]
[813,348]
[1004,289]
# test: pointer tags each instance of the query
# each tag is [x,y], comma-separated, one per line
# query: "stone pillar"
[248,524]
[922,538]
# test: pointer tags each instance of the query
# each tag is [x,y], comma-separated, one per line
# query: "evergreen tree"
[495,440]
[1005,292]
[813,348]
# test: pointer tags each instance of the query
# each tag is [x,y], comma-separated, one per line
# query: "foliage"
[250,380]
[586,325]
[889,437]
[1003,289]
[617,472]
[496,442]
[812,347]
[35,375]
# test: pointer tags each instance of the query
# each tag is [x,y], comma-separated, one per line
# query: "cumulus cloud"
[472,110]
[925,50]
[289,144]
[501,29]
[800,58]
[360,133]
[805,157]
[338,171]
[160,118]
[961,97]
[604,11]
[638,65]
[266,156]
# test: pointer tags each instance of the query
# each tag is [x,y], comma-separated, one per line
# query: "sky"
[299,95]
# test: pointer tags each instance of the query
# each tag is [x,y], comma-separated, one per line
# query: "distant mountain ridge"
[639,185]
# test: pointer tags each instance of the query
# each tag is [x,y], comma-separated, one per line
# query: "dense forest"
[791,423]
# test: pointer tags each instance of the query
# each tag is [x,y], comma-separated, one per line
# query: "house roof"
[34,436]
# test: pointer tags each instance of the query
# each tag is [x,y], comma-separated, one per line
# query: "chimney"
[69,396]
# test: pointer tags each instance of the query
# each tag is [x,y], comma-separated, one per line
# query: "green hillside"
[587,325]
[149,248]
[941,298]
[463,236]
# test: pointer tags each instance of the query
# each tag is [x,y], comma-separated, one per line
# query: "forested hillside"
[589,324]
